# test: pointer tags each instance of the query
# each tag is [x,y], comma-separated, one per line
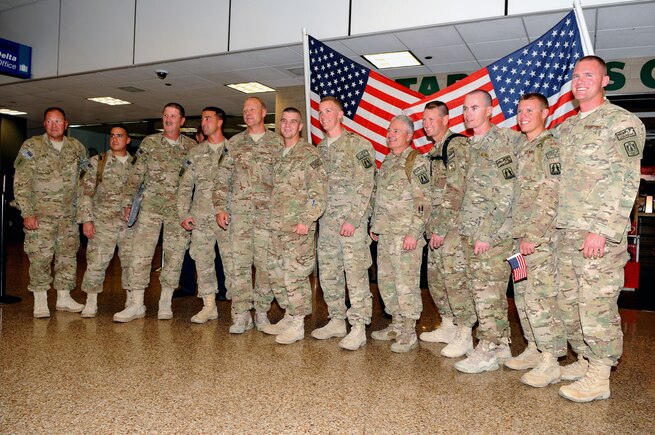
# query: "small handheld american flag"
[519,268]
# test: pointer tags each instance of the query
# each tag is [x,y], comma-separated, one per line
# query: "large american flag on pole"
[369,99]
[543,66]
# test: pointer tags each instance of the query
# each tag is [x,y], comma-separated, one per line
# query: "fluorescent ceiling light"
[250,87]
[12,112]
[109,100]
[183,129]
[396,59]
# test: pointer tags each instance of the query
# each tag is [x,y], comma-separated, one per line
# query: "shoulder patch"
[504,161]
[186,165]
[364,158]
[555,168]
[553,153]
[631,148]
[316,163]
[27,154]
[138,153]
[508,173]
[624,134]
[422,174]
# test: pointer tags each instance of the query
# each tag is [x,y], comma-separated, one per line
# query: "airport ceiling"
[617,32]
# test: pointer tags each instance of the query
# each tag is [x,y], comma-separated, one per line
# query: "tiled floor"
[71,375]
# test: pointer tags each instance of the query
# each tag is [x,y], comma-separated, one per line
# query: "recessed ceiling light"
[12,112]
[250,87]
[396,59]
[109,100]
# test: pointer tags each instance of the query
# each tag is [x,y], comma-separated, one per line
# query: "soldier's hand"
[223,219]
[436,241]
[374,236]
[31,223]
[347,230]
[409,243]
[126,213]
[301,229]
[88,229]
[480,248]
[526,248]
[593,246]
[188,223]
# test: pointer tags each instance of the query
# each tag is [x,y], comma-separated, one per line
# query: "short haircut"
[405,120]
[127,133]
[293,110]
[535,96]
[177,106]
[439,105]
[258,99]
[220,113]
[334,99]
[486,96]
[593,58]
[53,109]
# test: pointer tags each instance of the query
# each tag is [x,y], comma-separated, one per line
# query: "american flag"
[543,66]
[369,99]
[519,268]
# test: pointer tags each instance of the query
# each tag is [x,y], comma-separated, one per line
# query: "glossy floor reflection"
[71,375]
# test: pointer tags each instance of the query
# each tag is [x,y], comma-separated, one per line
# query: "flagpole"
[305,51]
[584,32]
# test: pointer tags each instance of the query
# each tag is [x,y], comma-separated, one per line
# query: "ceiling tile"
[492,30]
[627,38]
[430,37]
[374,44]
[627,16]
[447,54]
[496,49]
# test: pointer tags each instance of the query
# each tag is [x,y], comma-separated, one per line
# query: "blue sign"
[15,59]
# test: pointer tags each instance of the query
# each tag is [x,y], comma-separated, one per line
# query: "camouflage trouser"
[204,237]
[351,256]
[145,236]
[589,290]
[536,300]
[399,276]
[248,247]
[58,238]
[291,260]
[447,281]
[109,234]
[488,276]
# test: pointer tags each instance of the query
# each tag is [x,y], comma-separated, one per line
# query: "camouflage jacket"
[486,213]
[537,187]
[245,179]
[46,180]
[402,207]
[299,188]
[198,182]
[449,183]
[159,165]
[601,170]
[350,165]
[104,202]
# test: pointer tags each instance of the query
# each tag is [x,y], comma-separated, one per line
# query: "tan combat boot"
[595,385]
[91,307]
[241,323]
[461,343]
[334,328]
[443,334]
[576,370]
[407,340]
[355,339]
[41,305]
[391,332]
[165,309]
[66,303]
[295,330]
[135,310]
[279,327]
[528,359]
[208,312]
[545,373]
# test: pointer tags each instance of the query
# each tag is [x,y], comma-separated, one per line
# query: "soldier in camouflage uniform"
[158,164]
[402,208]
[100,211]
[199,216]
[45,188]
[243,200]
[446,262]
[298,200]
[535,209]
[343,241]
[485,223]
[601,148]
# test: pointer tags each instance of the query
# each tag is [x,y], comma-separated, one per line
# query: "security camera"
[161,74]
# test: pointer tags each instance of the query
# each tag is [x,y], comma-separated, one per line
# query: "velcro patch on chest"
[316,163]
[504,161]
[365,159]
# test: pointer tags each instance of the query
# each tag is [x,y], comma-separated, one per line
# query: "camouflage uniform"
[45,186]
[102,205]
[402,208]
[486,215]
[535,209]
[299,194]
[447,264]
[244,187]
[600,161]
[350,165]
[159,165]
[198,182]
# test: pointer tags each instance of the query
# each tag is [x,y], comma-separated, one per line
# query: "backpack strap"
[409,164]
[102,161]
[444,151]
